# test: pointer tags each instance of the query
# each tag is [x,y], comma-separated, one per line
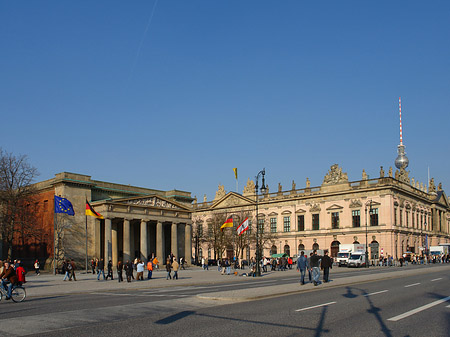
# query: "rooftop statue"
[335,176]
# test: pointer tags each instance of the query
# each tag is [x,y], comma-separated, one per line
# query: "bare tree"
[198,235]
[16,194]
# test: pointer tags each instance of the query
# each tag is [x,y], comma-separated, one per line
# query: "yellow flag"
[235,172]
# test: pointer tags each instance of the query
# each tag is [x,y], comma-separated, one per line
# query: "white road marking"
[436,279]
[448,306]
[375,293]
[419,309]
[412,285]
[316,306]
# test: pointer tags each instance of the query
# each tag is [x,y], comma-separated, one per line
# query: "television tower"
[402,160]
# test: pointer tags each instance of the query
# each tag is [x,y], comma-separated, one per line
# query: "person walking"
[140,270]
[8,276]
[119,271]
[71,266]
[110,270]
[315,263]
[65,269]
[175,267]
[309,267]
[149,269]
[302,266]
[168,269]
[93,266]
[37,267]
[326,265]
[128,270]
[100,269]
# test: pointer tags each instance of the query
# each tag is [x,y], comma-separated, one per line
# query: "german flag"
[90,211]
[228,223]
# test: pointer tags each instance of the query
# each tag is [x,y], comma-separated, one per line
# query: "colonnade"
[154,237]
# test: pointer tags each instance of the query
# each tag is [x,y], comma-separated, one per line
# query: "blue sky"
[96,87]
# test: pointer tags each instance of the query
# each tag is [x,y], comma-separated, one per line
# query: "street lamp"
[370,213]
[263,191]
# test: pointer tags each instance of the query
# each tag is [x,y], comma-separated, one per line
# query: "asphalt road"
[366,309]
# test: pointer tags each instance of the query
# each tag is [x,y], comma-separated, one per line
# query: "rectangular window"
[261,225]
[273,225]
[315,222]
[356,218]
[249,231]
[407,218]
[401,218]
[45,206]
[335,220]
[200,230]
[301,223]
[412,218]
[395,217]
[374,217]
[287,223]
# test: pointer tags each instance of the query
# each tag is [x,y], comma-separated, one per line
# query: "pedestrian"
[149,269]
[182,263]
[119,271]
[326,264]
[155,263]
[100,269]
[20,272]
[140,270]
[72,270]
[315,263]
[168,269]
[128,270]
[37,267]
[65,270]
[110,270]
[302,266]
[175,267]
[8,275]
[203,263]
[93,266]
[309,267]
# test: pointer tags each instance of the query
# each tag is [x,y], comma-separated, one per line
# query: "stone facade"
[139,222]
[400,216]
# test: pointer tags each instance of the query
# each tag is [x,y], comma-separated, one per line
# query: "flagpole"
[54,242]
[86,245]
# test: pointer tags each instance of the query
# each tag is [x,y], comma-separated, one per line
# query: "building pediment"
[334,207]
[232,199]
[442,199]
[151,201]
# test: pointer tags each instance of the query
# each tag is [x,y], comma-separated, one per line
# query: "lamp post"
[370,213]
[263,191]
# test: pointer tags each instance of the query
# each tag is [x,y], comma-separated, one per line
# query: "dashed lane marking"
[316,306]
[419,309]
[412,285]
[376,293]
[436,279]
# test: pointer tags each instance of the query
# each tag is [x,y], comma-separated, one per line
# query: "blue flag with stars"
[62,205]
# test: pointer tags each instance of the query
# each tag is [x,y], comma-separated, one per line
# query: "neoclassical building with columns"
[396,213]
[138,222]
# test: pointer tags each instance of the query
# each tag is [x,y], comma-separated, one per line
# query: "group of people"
[313,264]
[11,274]
[172,264]
[68,269]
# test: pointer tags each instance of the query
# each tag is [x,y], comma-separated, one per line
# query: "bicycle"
[18,293]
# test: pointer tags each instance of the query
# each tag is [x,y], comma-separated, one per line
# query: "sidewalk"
[47,285]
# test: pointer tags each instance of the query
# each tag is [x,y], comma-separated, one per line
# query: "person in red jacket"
[20,272]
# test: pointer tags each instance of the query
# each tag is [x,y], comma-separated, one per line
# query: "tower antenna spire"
[400,111]
[402,161]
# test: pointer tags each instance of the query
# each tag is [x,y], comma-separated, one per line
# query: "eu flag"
[62,205]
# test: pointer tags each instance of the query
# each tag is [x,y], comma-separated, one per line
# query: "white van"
[357,260]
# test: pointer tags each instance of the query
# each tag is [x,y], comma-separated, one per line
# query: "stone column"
[126,240]
[108,240]
[97,233]
[174,240]
[115,250]
[188,244]
[159,242]
[144,244]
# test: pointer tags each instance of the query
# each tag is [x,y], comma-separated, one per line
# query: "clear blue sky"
[290,86]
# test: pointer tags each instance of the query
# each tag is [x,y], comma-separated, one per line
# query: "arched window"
[287,250]
[273,250]
[315,246]
[374,254]
[355,242]
[200,252]
[334,248]
[301,247]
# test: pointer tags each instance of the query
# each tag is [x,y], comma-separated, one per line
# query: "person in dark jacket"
[110,270]
[128,270]
[101,269]
[315,266]
[326,264]
[168,269]
[119,271]
[8,276]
